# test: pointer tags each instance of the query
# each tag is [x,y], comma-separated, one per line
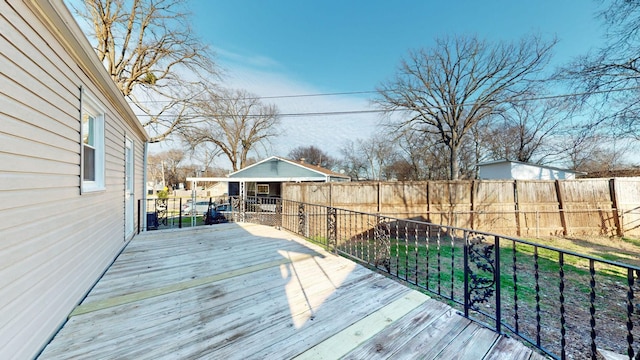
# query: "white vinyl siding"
[54,241]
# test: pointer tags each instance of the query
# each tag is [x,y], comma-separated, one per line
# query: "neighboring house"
[505,169]
[216,189]
[71,171]
[266,177]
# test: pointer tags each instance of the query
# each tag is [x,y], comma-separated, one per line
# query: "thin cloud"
[326,132]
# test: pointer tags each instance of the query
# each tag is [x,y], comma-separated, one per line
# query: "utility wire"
[281,96]
[373,111]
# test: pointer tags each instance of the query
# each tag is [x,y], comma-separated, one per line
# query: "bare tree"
[422,157]
[167,167]
[155,169]
[235,122]
[610,76]
[205,155]
[351,163]
[448,89]
[151,51]
[369,159]
[312,155]
[526,131]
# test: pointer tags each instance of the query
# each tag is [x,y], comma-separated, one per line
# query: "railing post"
[630,310]
[497,281]
[139,214]
[466,274]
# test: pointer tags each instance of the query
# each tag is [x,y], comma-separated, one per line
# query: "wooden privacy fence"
[525,208]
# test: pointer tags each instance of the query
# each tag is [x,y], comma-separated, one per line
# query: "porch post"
[243,199]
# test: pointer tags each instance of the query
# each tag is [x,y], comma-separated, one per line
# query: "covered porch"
[238,291]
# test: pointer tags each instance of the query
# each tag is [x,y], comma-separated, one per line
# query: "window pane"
[88,129]
[89,164]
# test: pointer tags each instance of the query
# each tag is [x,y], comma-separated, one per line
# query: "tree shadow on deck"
[226,291]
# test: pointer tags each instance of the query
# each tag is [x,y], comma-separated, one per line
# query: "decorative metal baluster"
[365,248]
[358,234]
[302,220]
[365,234]
[496,280]
[371,235]
[453,248]
[537,277]
[563,330]
[428,253]
[416,254]
[592,308]
[630,281]
[332,236]
[467,268]
[369,238]
[406,251]
[515,288]
[439,265]
[481,288]
[397,257]
[382,233]
[161,210]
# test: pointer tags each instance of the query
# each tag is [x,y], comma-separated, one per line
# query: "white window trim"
[88,104]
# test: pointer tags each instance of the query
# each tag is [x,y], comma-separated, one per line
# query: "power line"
[281,96]
[374,111]
[315,95]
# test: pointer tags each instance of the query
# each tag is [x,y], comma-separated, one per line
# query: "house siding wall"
[54,242]
[519,171]
[495,171]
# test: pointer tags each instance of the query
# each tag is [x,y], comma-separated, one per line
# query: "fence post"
[560,196]
[614,211]
[473,200]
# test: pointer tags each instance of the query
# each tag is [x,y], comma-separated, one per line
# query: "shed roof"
[497,162]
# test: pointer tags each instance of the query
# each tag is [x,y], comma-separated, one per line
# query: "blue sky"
[337,46]
[285,47]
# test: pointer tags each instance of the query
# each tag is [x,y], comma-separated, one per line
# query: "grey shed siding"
[54,242]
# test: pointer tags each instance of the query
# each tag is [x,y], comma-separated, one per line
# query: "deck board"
[242,291]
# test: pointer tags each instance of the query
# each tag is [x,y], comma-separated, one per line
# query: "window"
[263,189]
[92,162]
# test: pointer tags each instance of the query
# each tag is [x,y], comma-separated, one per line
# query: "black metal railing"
[564,303]
[166,213]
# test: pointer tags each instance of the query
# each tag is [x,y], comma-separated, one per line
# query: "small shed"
[517,170]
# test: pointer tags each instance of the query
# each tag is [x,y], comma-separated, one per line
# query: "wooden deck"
[242,291]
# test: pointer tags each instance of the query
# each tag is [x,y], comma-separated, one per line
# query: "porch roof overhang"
[258,179]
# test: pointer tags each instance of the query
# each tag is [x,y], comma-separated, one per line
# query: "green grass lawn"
[438,267]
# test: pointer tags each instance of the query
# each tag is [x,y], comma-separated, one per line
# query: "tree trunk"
[453,163]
